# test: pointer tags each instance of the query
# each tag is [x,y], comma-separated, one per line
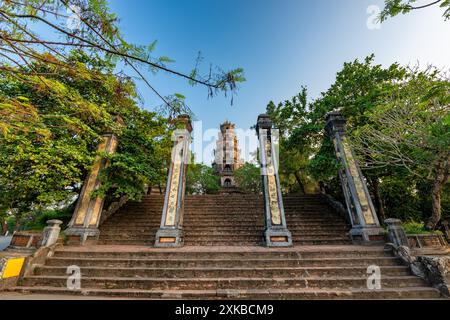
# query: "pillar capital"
[184,121]
[335,122]
[264,122]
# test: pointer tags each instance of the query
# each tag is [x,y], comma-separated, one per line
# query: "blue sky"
[281,44]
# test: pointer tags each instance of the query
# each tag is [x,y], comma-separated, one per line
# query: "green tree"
[200,179]
[410,129]
[287,117]
[57,97]
[248,178]
[28,29]
[355,91]
[395,7]
[363,93]
[50,127]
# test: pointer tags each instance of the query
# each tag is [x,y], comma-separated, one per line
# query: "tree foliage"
[200,179]
[287,117]
[90,26]
[393,8]
[379,103]
[248,178]
[50,128]
[410,129]
[65,74]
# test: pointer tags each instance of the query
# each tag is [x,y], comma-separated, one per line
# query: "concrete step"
[222,282]
[258,272]
[235,229]
[224,253]
[223,263]
[221,220]
[256,294]
[189,233]
[214,242]
[218,242]
[218,224]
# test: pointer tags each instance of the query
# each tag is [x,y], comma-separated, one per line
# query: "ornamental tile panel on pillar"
[170,233]
[364,220]
[276,233]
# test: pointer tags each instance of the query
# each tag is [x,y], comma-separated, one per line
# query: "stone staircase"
[302,272]
[226,220]
[224,258]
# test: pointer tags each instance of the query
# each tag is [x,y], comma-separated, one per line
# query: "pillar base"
[169,238]
[82,236]
[367,234]
[277,237]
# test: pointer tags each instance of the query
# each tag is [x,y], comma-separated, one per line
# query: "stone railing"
[27,250]
[426,240]
[336,205]
[29,241]
[113,208]
[26,241]
[435,269]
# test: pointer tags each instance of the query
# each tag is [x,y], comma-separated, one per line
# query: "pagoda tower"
[227,155]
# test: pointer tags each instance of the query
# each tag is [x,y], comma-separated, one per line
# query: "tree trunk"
[18,225]
[300,183]
[377,197]
[442,176]
[4,227]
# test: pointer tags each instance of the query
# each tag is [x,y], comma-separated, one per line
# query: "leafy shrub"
[41,218]
[413,227]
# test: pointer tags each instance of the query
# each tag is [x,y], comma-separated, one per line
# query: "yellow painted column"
[170,233]
[86,217]
[364,220]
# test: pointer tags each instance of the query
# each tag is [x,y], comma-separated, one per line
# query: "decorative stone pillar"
[364,220]
[85,220]
[397,234]
[276,233]
[51,233]
[170,233]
